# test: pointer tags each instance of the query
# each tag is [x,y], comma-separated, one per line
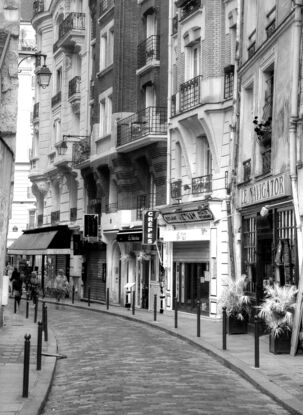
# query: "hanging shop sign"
[267,189]
[129,236]
[195,214]
[149,228]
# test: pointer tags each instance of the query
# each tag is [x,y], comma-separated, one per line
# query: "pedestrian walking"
[61,286]
[34,287]
[16,286]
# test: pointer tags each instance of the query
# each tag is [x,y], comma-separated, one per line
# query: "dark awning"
[52,240]
[130,235]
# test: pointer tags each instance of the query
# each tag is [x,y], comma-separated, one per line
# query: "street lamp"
[62,147]
[43,74]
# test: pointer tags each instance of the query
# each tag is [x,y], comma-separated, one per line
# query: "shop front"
[94,277]
[269,246]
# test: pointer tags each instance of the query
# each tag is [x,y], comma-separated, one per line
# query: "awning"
[130,235]
[54,240]
[187,213]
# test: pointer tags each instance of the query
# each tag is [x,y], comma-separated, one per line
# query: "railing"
[201,184]
[36,110]
[266,161]
[106,5]
[137,202]
[175,25]
[74,86]
[175,189]
[81,152]
[73,214]
[150,121]
[173,105]
[40,220]
[56,99]
[55,217]
[190,7]
[190,93]
[74,21]
[247,170]
[38,7]
[270,28]
[251,49]
[148,50]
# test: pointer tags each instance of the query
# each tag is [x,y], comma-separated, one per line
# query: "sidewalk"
[279,376]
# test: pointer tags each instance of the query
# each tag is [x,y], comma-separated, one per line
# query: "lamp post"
[43,74]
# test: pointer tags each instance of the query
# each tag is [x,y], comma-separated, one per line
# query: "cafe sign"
[194,215]
[264,190]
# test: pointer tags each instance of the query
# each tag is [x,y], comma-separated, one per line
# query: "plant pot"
[281,344]
[236,326]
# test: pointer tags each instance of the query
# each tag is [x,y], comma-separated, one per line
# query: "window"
[56,132]
[246,125]
[151,25]
[150,96]
[106,47]
[193,57]
[58,80]
[228,81]
[105,115]
[201,183]
[178,160]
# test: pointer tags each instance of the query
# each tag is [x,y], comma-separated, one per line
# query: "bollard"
[39,345]
[88,296]
[176,312]
[134,303]
[73,294]
[45,327]
[27,306]
[257,343]
[107,298]
[155,307]
[36,311]
[224,327]
[15,306]
[27,345]
[198,317]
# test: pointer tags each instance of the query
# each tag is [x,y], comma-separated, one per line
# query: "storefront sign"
[196,215]
[271,188]
[149,228]
[129,237]
[200,234]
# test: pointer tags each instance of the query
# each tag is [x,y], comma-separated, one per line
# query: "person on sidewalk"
[34,287]
[61,286]
[16,286]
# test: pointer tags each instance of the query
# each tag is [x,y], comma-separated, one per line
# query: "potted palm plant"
[277,311]
[237,303]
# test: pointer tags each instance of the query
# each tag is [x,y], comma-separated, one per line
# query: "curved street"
[116,366]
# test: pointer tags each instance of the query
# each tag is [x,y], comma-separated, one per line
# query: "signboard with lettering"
[149,228]
[264,190]
[129,237]
[194,215]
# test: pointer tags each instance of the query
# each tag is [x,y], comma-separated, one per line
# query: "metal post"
[107,298]
[39,345]
[257,343]
[134,303]
[224,327]
[73,294]
[36,311]
[27,345]
[176,312]
[27,306]
[155,307]
[88,296]
[198,317]
[45,328]
[15,306]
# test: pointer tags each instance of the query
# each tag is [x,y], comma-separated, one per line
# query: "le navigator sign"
[267,189]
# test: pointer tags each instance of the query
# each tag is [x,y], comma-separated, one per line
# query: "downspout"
[293,163]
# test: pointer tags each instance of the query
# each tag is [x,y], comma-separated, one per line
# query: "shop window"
[249,249]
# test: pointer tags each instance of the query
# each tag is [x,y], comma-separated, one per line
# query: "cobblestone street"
[115,366]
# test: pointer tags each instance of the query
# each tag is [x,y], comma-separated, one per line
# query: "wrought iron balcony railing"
[74,21]
[40,220]
[189,7]
[148,50]
[74,86]
[73,214]
[56,99]
[55,217]
[36,110]
[247,170]
[81,152]
[190,93]
[266,161]
[38,7]
[201,184]
[150,121]
[106,5]
[175,189]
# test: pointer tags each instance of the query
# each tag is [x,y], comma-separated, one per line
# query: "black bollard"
[176,312]
[15,305]
[198,317]
[107,298]
[224,327]
[134,303]
[39,345]
[36,311]
[88,296]
[73,294]
[27,306]
[27,345]
[257,343]
[155,307]
[45,326]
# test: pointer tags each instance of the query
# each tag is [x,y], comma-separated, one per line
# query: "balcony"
[39,220]
[148,51]
[175,189]
[189,7]
[80,152]
[36,111]
[73,214]
[106,5]
[201,184]
[266,161]
[55,217]
[74,94]
[56,99]
[38,7]
[190,93]
[71,33]
[142,128]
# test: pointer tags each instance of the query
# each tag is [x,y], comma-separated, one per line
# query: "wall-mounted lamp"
[62,147]
[264,211]
[186,187]
[43,74]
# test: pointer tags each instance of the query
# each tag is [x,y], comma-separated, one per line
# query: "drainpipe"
[297,28]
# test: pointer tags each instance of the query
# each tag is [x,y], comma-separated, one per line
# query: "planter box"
[236,326]
[281,344]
